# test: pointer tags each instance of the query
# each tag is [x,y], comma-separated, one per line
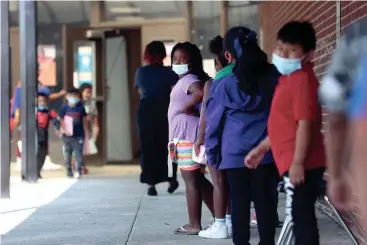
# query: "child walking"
[44,117]
[74,127]
[294,129]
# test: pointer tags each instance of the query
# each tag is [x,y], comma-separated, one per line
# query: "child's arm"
[303,138]
[62,113]
[55,121]
[254,157]
[85,122]
[57,95]
[197,92]
[16,118]
[200,139]
[305,104]
[95,124]
[214,121]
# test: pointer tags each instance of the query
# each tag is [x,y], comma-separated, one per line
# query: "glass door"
[82,64]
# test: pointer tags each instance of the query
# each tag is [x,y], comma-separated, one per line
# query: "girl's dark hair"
[85,86]
[252,68]
[195,59]
[216,48]
[155,52]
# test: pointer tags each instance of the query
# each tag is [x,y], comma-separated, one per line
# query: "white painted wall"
[119,147]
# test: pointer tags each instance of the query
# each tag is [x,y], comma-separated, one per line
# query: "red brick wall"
[329,19]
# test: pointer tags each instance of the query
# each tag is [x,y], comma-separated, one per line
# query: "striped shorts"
[184,156]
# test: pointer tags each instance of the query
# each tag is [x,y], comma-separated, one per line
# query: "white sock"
[220,221]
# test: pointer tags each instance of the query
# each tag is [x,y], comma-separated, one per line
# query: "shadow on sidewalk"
[103,211]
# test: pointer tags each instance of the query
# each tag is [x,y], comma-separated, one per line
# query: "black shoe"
[173,186]
[152,191]
[69,173]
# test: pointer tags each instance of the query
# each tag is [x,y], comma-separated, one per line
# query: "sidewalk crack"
[135,218]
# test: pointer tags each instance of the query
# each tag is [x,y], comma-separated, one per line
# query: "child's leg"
[303,198]
[240,196]
[68,151]
[41,156]
[78,144]
[264,182]
[84,167]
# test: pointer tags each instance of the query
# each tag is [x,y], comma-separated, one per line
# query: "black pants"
[41,155]
[259,186]
[301,200]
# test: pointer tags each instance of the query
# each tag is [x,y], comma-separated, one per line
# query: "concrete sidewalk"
[116,211]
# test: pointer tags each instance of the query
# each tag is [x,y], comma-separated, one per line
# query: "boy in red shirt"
[294,128]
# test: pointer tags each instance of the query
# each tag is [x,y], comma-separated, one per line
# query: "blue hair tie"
[250,36]
[237,47]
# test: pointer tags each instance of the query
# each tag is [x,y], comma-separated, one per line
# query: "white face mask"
[180,69]
[286,66]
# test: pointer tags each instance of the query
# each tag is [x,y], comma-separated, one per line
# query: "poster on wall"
[85,66]
[46,55]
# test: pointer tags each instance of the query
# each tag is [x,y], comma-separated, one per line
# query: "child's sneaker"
[18,165]
[253,220]
[215,231]
[84,170]
[77,175]
[229,225]
[229,228]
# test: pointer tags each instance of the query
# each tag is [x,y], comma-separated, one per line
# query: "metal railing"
[286,235]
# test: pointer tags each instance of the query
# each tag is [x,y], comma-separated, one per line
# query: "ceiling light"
[125,10]
[13,6]
[129,18]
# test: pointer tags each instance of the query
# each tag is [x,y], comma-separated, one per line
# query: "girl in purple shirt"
[183,119]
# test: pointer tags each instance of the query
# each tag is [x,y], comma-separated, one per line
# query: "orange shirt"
[296,99]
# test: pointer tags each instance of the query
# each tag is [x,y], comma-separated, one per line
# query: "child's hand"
[297,173]
[197,145]
[62,92]
[58,133]
[95,133]
[62,131]
[192,111]
[254,157]
[340,192]
[68,134]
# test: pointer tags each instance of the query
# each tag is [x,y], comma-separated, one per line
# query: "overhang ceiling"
[63,12]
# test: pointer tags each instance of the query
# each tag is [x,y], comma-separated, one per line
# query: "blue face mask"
[286,66]
[42,107]
[73,100]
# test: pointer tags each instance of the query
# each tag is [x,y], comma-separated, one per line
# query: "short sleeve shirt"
[76,112]
[181,125]
[155,82]
[296,99]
